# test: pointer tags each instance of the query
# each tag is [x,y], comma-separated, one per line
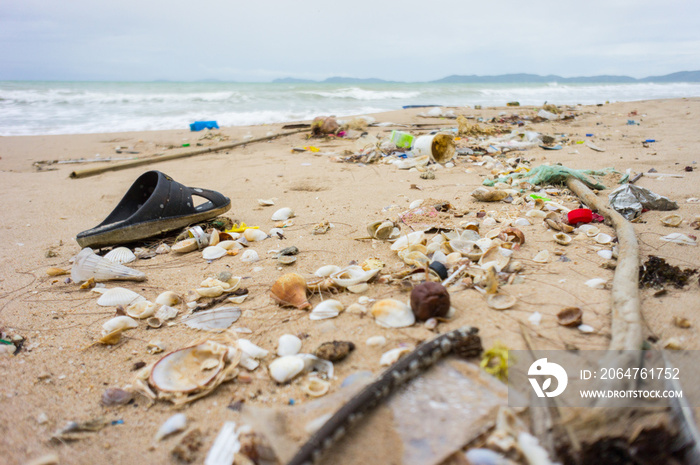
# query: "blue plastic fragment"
[650,140]
[199,125]
[117,422]
[291,402]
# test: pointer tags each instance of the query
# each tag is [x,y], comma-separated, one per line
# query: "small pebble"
[334,351]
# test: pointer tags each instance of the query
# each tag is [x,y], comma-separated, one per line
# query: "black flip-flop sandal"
[154,204]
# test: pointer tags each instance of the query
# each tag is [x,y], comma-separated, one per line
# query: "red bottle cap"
[580,215]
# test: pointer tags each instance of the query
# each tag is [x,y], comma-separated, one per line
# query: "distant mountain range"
[682,76]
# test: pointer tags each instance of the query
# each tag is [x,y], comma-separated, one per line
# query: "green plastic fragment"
[539,197]
[3,341]
[556,174]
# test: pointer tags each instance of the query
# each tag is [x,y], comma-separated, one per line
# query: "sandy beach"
[60,376]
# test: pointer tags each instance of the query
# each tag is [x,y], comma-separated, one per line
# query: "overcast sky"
[407,41]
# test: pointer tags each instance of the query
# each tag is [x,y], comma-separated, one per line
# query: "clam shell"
[266,202]
[212,291]
[165,313]
[172,425]
[487,195]
[282,214]
[286,368]
[214,238]
[596,283]
[327,309]
[154,322]
[117,296]
[541,257]
[288,344]
[168,298]
[376,341]
[189,369]
[570,316]
[250,354]
[562,238]
[229,245]
[603,238]
[250,256]
[89,265]
[215,320]
[500,301]
[326,271]
[290,291]
[163,249]
[254,235]
[392,313]
[358,288]
[392,356]
[606,254]
[535,214]
[522,222]
[672,221]
[352,275]
[315,387]
[381,230]
[452,259]
[121,255]
[592,231]
[416,237]
[119,323]
[141,310]
[494,257]
[213,252]
[184,246]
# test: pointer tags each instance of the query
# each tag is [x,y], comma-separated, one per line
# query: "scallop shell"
[215,320]
[392,356]
[250,256]
[315,387]
[254,235]
[487,195]
[562,238]
[327,309]
[282,214]
[168,298]
[165,313]
[286,368]
[603,238]
[570,316]
[187,245]
[352,275]
[213,252]
[141,310]
[392,313]
[121,255]
[288,344]
[117,296]
[290,291]
[494,257]
[119,323]
[500,301]
[88,265]
[189,369]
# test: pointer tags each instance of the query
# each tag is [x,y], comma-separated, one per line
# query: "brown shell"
[570,316]
[513,235]
[290,291]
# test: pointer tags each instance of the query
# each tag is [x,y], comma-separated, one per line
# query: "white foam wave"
[357,93]
[71,97]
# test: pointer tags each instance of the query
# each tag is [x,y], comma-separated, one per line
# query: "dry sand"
[63,380]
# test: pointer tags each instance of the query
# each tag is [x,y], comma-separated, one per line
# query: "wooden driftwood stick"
[192,153]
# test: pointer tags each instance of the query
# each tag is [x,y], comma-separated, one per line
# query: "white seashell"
[327,309]
[315,387]
[229,245]
[215,320]
[535,214]
[606,254]
[489,221]
[392,313]
[155,347]
[213,252]
[276,232]
[326,271]
[250,256]
[452,259]
[500,301]
[415,204]
[118,296]
[496,258]
[672,221]
[141,310]
[119,323]
[592,232]
[154,322]
[89,265]
[282,214]
[313,363]
[416,237]
[286,368]
[584,228]
[440,257]
[679,238]
[553,206]
[596,283]
[237,299]
[184,246]
[522,222]
[376,341]
[225,447]
[190,368]
[288,344]
[162,249]
[251,349]
[213,291]
[172,425]
[392,356]
[168,298]
[433,247]
[535,318]
[586,328]
[352,275]
[121,255]
[603,238]
[358,288]
[254,235]
[541,257]
[214,237]
[357,308]
[266,202]
[165,313]
[562,238]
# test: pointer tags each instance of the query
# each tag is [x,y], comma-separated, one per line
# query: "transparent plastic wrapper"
[629,200]
[516,140]
[424,422]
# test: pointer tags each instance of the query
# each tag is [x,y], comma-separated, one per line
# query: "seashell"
[250,353]
[118,296]
[392,313]
[213,252]
[89,265]
[535,214]
[189,369]
[54,271]
[417,259]
[121,255]
[352,275]
[679,238]
[229,245]
[187,245]
[416,237]
[237,299]
[541,257]
[606,254]
[522,222]
[553,206]
[494,257]
[392,356]
[266,202]
[672,221]
[286,368]
[490,221]
[562,238]
[513,235]
[376,341]
[486,195]
[254,235]
[358,288]
[116,396]
[163,249]
[286,259]
[315,387]
[500,301]
[168,298]
[334,351]
[154,322]
[156,346]
[215,320]
[326,271]
[535,318]
[592,231]
[553,224]
[452,259]
[141,310]
[290,291]
[214,237]
[357,308]
[213,291]
[596,283]
[382,230]
[118,323]
[282,214]
[570,316]
[586,328]
[172,425]
[603,238]
[433,247]
[250,256]
[327,309]
[288,344]
[484,457]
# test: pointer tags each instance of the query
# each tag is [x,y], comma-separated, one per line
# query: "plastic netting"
[554,174]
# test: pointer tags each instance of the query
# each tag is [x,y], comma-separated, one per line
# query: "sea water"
[37,108]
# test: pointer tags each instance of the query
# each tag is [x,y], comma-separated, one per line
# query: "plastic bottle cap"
[580,215]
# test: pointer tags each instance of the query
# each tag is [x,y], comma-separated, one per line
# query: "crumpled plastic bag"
[629,200]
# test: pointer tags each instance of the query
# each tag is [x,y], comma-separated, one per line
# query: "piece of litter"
[535,318]
[679,238]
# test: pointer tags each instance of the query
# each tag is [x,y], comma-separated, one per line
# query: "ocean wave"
[357,93]
[70,97]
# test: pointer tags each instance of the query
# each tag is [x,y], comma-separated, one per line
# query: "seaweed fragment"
[656,272]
